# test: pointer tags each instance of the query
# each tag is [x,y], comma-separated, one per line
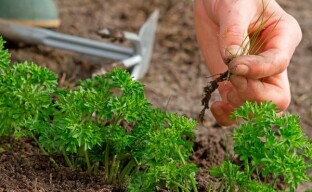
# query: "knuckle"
[296,28]
[281,62]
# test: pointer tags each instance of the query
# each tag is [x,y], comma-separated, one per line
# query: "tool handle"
[32,35]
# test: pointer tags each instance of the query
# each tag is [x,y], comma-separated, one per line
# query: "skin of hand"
[221,26]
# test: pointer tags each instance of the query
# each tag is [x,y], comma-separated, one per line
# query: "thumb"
[233,27]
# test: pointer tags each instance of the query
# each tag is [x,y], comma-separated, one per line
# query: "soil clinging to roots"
[209,89]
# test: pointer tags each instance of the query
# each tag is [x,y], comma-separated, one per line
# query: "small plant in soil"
[103,125]
[251,44]
[272,150]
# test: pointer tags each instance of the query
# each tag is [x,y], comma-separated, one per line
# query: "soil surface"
[174,82]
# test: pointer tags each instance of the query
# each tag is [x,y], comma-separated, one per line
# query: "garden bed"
[174,83]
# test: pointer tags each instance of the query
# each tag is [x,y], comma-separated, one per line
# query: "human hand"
[221,27]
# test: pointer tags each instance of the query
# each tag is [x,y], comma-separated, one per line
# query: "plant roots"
[209,89]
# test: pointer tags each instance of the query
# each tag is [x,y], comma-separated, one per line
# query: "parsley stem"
[126,170]
[193,181]
[181,186]
[114,168]
[247,169]
[43,150]
[88,161]
[106,161]
[274,182]
[68,161]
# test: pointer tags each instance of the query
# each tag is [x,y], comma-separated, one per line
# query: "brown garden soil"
[174,83]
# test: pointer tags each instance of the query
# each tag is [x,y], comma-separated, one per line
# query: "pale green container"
[40,13]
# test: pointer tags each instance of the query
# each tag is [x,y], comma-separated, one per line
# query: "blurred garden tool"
[136,58]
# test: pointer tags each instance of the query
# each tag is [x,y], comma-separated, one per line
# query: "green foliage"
[4,56]
[233,178]
[105,123]
[272,146]
[25,91]
[174,177]
[165,152]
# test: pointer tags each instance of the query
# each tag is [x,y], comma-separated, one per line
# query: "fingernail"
[240,69]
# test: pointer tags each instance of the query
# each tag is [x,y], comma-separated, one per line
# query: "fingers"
[280,35]
[284,36]
[222,111]
[275,89]
[266,64]
[234,98]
